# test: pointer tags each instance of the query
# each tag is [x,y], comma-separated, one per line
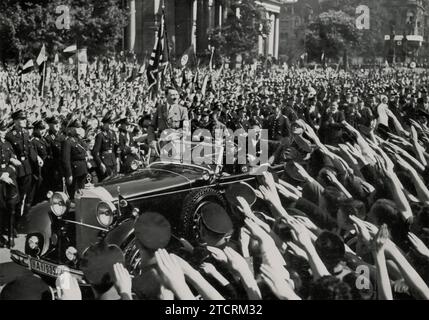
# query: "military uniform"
[9,196]
[74,160]
[53,163]
[167,117]
[41,147]
[105,150]
[25,153]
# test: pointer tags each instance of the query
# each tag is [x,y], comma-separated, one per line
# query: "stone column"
[277,37]
[211,16]
[194,24]
[132,26]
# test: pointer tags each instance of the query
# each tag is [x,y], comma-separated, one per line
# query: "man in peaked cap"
[41,147]
[8,188]
[106,148]
[27,160]
[216,226]
[152,232]
[74,158]
[53,164]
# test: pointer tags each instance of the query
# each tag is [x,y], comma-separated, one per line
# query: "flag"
[27,67]
[211,59]
[42,57]
[70,49]
[188,58]
[184,79]
[158,59]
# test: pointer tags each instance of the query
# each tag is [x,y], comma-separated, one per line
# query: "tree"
[240,32]
[332,33]
[26,25]
[371,43]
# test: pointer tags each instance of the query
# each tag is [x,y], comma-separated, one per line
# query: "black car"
[59,231]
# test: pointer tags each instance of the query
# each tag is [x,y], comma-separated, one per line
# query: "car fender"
[39,221]
[121,233]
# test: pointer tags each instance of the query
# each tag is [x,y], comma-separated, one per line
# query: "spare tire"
[190,212]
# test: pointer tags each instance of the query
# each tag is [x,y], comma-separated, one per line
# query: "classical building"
[407,34]
[189,23]
[401,18]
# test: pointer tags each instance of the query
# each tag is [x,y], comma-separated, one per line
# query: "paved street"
[8,269]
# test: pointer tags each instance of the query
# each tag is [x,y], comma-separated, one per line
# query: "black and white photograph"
[231,152]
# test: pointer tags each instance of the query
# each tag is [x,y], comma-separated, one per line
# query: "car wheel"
[191,211]
[132,256]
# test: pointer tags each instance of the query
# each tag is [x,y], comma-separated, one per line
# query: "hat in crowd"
[29,287]
[75,124]
[19,114]
[216,219]
[108,118]
[205,112]
[98,260]
[124,121]
[152,230]
[52,120]
[39,125]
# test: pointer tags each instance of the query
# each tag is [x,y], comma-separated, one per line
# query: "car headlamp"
[105,213]
[60,203]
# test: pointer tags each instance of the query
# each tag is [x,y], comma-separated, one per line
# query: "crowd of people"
[347,220]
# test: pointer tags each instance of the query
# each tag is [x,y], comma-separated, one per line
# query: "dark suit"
[74,153]
[39,188]
[53,163]
[104,152]
[24,151]
[9,196]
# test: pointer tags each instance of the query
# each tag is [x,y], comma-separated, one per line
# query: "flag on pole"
[27,67]
[42,57]
[70,49]
[211,59]
[188,58]
[158,59]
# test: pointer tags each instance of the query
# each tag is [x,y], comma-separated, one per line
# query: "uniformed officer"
[74,158]
[41,146]
[8,187]
[19,138]
[241,121]
[216,226]
[53,163]
[105,149]
[167,116]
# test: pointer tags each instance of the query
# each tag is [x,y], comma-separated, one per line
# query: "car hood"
[151,181]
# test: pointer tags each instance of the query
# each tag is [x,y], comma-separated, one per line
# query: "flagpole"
[166,40]
[43,77]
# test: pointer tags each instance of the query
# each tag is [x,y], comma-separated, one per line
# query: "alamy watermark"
[363,17]
[224,148]
[63,20]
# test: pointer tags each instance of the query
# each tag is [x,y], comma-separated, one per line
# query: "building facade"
[407,32]
[189,23]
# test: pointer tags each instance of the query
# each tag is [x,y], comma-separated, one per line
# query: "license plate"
[44,267]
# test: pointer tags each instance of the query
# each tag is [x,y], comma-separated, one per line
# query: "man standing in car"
[167,116]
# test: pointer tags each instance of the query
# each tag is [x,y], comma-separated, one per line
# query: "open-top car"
[58,231]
